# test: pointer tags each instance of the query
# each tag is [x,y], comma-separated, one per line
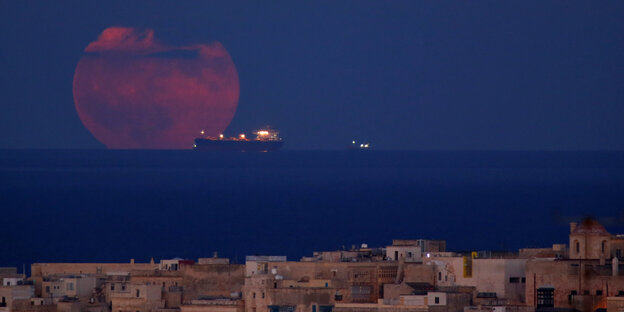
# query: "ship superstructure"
[267,140]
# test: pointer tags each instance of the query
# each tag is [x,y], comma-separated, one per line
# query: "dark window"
[254,295]
[585,292]
[47,289]
[620,293]
[439,276]
[603,246]
[578,247]
[573,293]
[112,286]
[137,293]
[618,253]
[275,285]
[523,280]
[599,292]
[313,308]
[545,297]
[262,295]
[326,285]
[409,254]
[396,255]
[514,280]
[123,286]
[437,300]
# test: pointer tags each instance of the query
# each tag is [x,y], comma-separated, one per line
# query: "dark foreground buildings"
[407,276]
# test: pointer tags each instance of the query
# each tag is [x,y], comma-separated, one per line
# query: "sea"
[117,205]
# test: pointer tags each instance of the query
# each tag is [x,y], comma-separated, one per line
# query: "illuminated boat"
[359,146]
[267,140]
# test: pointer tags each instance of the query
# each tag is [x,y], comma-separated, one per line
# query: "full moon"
[134,92]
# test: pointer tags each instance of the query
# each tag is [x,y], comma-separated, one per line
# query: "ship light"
[220,136]
[194,145]
[202,132]
[242,136]
[361,145]
[366,145]
[353,142]
[263,132]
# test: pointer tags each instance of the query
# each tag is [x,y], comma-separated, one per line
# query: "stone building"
[413,250]
[585,280]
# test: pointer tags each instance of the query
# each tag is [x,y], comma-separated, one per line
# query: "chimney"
[615,263]
[132,261]
[572,227]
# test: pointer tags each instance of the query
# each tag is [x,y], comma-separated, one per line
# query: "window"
[618,253]
[599,292]
[409,254]
[514,280]
[112,286]
[578,246]
[254,295]
[604,243]
[620,293]
[262,295]
[546,297]
[123,286]
[314,308]
[137,293]
[573,293]
[70,286]
[275,285]
[437,300]
[523,280]
[47,289]
[585,292]
[439,276]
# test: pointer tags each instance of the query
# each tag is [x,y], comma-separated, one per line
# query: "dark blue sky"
[403,74]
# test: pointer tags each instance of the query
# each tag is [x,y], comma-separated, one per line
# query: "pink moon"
[133,92]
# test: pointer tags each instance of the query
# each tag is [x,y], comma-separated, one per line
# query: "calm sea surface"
[100,205]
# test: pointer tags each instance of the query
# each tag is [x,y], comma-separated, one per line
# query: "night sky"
[421,75]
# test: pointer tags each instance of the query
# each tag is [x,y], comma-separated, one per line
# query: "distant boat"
[267,140]
[355,146]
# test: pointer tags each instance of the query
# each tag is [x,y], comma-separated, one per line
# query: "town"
[410,275]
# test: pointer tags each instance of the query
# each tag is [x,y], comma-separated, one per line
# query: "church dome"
[590,226]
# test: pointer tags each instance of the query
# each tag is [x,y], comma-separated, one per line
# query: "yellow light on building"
[242,136]
[220,136]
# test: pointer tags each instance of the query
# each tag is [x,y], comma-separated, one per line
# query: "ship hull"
[237,145]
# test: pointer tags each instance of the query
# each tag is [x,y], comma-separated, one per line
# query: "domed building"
[589,240]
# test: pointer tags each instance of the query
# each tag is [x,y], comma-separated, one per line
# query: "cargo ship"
[267,140]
